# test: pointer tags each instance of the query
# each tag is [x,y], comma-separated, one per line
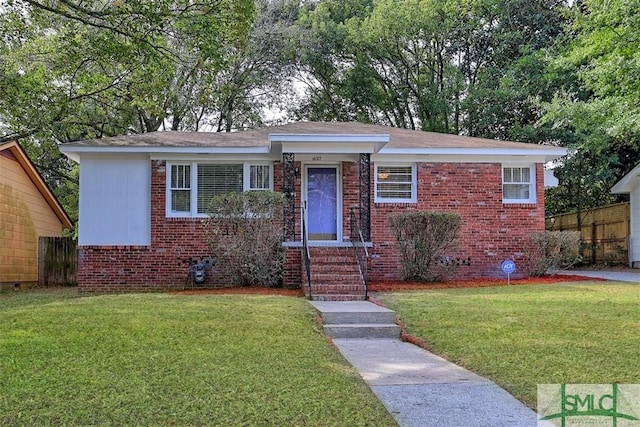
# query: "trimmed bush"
[553,251]
[424,239]
[244,234]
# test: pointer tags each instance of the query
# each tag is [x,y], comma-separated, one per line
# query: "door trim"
[305,181]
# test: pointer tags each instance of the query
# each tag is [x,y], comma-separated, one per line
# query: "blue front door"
[322,203]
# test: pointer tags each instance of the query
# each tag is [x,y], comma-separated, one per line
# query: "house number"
[317,158]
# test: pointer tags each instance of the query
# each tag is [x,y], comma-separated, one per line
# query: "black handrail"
[362,255]
[305,250]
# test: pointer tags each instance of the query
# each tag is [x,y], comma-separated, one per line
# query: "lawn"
[162,359]
[521,336]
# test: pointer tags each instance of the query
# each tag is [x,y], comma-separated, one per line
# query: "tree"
[472,67]
[503,47]
[72,70]
[603,112]
[76,70]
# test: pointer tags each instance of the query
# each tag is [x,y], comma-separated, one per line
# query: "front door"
[323,203]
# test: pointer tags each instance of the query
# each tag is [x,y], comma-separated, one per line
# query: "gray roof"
[398,138]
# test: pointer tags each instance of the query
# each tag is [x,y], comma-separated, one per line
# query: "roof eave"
[545,155]
[37,180]
[74,151]
[625,185]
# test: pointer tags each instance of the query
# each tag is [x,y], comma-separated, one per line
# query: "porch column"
[289,190]
[365,195]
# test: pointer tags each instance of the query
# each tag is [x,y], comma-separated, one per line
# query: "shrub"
[553,250]
[424,238]
[244,233]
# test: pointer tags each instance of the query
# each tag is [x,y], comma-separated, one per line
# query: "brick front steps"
[335,275]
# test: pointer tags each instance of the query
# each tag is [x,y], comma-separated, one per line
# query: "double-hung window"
[180,188]
[518,184]
[395,183]
[191,186]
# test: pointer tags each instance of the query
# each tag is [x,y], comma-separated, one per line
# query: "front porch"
[327,221]
[329,270]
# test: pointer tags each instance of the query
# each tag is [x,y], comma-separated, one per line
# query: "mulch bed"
[476,283]
[243,290]
[389,286]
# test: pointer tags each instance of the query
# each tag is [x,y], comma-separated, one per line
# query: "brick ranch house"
[142,199]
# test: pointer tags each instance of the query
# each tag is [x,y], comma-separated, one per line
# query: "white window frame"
[414,184]
[246,179]
[532,183]
[193,213]
[171,189]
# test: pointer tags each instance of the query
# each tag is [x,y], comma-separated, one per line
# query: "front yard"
[521,336]
[162,359]
[165,359]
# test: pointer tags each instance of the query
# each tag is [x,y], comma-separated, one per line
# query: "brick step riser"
[346,265]
[332,278]
[335,270]
[337,285]
[331,297]
[330,251]
[333,260]
[329,291]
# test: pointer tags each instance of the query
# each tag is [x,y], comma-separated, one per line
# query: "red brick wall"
[491,231]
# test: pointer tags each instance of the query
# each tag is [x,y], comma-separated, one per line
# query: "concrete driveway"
[619,275]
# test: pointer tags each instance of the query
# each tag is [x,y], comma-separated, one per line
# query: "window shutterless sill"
[298,244]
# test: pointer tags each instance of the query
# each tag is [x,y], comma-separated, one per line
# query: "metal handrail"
[362,256]
[305,251]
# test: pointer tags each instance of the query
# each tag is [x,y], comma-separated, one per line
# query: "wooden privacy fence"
[604,232]
[57,261]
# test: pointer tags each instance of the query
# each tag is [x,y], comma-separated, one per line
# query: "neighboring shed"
[28,210]
[630,184]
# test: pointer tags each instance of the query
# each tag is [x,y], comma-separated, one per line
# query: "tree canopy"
[538,71]
[601,114]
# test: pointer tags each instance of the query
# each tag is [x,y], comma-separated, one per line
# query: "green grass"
[160,359]
[521,336]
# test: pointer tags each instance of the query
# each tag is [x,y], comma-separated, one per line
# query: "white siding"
[634,240]
[115,200]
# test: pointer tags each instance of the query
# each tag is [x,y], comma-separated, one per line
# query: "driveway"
[615,274]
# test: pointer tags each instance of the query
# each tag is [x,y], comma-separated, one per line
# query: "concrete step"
[357,319]
[362,330]
[354,312]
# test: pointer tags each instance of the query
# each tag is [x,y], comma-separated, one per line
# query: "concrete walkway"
[618,276]
[421,389]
